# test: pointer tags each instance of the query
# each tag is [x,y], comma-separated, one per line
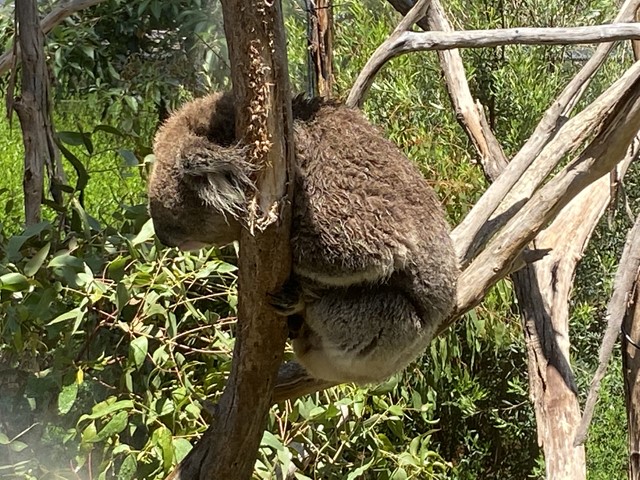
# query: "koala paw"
[288,301]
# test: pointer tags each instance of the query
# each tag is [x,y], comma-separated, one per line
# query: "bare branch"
[620,124]
[471,235]
[467,233]
[356,95]
[406,42]
[52,20]
[294,381]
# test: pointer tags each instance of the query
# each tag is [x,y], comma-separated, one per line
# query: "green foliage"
[114,339]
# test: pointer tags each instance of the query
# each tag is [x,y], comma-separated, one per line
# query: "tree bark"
[255,36]
[34,112]
[320,46]
[631,372]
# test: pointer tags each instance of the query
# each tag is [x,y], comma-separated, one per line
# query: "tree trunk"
[34,111]
[320,46]
[543,290]
[255,36]
[631,370]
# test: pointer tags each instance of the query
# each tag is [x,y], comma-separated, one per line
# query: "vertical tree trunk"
[631,370]
[255,36]
[34,111]
[543,291]
[320,46]
[631,358]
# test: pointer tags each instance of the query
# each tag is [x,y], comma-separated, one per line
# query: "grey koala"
[374,270]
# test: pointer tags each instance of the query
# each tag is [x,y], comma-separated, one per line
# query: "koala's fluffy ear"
[220,176]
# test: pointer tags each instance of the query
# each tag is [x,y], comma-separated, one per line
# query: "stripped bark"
[543,291]
[255,36]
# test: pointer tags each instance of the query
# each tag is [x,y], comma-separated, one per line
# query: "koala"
[374,269]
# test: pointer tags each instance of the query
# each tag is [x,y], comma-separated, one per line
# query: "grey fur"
[374,267]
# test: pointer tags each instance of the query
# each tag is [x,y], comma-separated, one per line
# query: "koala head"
[198,198]
[200,176]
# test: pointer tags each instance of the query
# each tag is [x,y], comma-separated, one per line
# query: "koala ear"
[220,177]
[201,162]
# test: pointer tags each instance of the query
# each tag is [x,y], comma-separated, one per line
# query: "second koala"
[374,267]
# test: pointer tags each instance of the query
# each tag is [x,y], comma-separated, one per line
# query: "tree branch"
[405,42]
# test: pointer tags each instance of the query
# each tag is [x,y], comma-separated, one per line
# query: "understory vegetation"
[113,348]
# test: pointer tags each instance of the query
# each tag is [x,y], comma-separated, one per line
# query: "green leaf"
[122,296]
[270,440]
[131,102]
[128,468]
[71,314]
[146,233]
[138,350]
[71,138]
[14,282]
[114,426]
[162,437]
[130,158]
[105,408]
[17,446]
[399,474]
[78,166]
[35,262]
[108,129]
[181,447]
[67,398]
[66,260]
[156,9]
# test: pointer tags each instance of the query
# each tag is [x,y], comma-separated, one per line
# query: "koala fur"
[374,267]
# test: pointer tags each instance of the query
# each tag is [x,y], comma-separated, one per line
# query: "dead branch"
[52,20]
[616,310]
[619,126]
[472,235]
[468,230]
[404,42]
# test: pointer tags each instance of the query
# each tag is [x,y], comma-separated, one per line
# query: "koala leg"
[361,334]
